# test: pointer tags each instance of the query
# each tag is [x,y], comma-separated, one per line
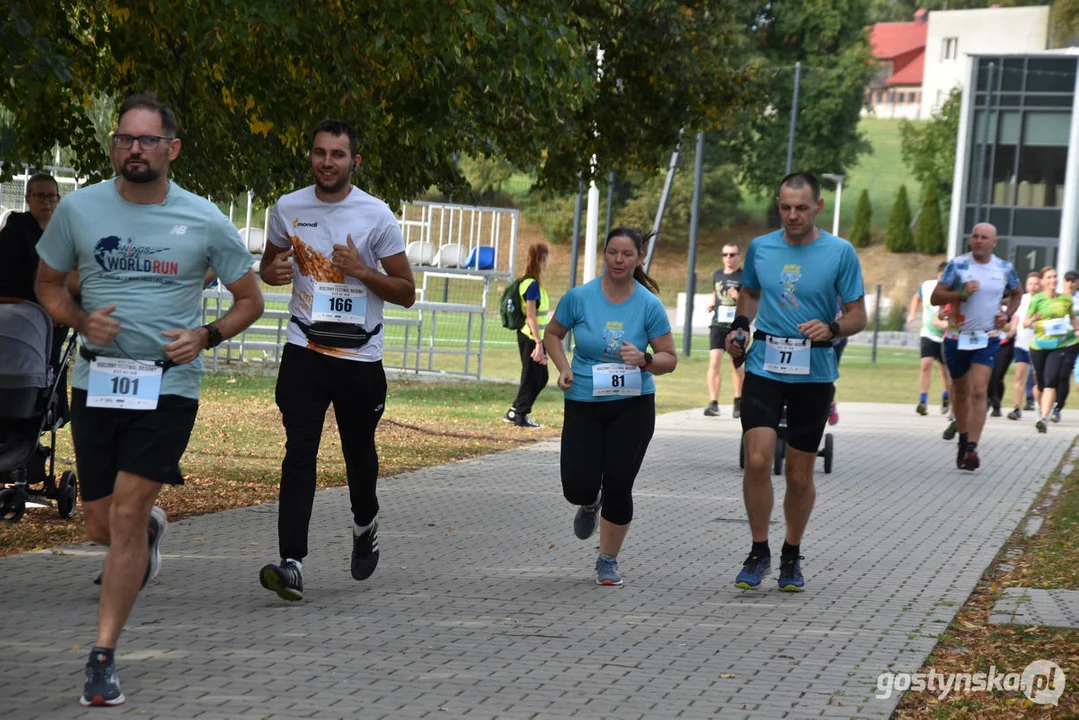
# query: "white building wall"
[976,32]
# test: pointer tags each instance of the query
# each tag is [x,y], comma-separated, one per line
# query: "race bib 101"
[339,302]
[123,384]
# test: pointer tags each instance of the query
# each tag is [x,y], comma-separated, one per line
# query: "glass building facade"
[1014,167]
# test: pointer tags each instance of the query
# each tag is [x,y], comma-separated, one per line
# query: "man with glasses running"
[142,247]
[725,286]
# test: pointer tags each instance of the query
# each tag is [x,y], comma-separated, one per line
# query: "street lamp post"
[838,180]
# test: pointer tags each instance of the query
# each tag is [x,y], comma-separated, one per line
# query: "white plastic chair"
[449,255]
[420,252]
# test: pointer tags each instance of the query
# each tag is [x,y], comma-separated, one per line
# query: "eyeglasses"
[730,254]
[146,142]
[44,197]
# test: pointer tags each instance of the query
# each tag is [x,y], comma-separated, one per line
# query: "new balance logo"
[178,230]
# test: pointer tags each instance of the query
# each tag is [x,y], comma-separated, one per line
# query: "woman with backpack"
[532,297]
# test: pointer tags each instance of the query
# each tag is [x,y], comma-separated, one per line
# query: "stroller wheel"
[66,495]
[13,503]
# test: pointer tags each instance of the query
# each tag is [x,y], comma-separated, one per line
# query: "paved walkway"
[484,605]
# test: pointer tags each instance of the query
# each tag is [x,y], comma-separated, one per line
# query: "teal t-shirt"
[798,283]
[599,328]
[148,260]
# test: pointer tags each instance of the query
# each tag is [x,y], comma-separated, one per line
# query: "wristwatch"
[647,361]
[834,327]
[214,335]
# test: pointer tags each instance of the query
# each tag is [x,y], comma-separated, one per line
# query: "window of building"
[1042,159]
[902,98]
[880,96]
[949,48]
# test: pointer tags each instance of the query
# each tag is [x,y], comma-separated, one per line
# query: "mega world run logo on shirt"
[116,255]
[789,278]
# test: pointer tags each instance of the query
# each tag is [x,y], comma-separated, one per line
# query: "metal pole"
[691,270]
[575,241]
[794,116]
[985,143]
[610,202]
[662,208]
[876,324]
[838,198]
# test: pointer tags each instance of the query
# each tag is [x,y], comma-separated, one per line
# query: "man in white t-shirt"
[327,240]
[932,343]
[975,285]
[1021,353]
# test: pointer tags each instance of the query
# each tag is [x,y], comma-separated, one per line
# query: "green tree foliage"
[860,235]
[929,232]
[829,38]
[422,82]
[899,238]
[720,197]
[929,147]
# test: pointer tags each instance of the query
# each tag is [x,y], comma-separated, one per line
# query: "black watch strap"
[834,327]
[214,336]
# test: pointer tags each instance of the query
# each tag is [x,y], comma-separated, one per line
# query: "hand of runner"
[1000,320]
[186,346]
[816,330]
[565,379]
[346,258]
[735,344]
[971,287]
[631,355]
[281,269]
[99,328]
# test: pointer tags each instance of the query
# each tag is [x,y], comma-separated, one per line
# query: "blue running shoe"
[754,569]
[790,574]
[102,687]
[607,571]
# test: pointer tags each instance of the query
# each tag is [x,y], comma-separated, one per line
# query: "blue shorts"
[1021,356]
[959,361]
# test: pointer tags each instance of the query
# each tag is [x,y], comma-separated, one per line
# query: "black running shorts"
[147,443]
[931,349]
[808,406]
[717,337]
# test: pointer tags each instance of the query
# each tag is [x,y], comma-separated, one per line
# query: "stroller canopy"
[25,342]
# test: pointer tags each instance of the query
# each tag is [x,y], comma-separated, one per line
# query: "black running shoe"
[285,579]
[945,404]
[737,411]
[712,410]
[950,433]
[102,688]
[970,460]
[365,552]
[790,574]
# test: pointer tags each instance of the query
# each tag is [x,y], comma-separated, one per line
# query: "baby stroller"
[781,449]
[30,404]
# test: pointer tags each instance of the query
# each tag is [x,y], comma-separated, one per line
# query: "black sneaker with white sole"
[285,579]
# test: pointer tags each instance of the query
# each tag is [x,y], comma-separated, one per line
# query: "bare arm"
[532,318]
[53,290]
[664,359]
[552,342]
[912,311]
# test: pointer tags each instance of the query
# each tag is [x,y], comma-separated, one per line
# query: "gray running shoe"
[607,571]
[950,433]
[712,410]
[586,519]
[922,409]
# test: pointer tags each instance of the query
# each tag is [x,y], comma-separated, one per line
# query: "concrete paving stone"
[1035,606]
[478,616]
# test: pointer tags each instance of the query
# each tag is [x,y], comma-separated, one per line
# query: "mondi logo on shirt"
[296,223]
[116,255]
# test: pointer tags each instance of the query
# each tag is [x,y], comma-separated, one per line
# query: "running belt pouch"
[338,335]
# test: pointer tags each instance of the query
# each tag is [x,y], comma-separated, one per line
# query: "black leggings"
[1005,353]
[1065,382]
[1048,365]
[306,385]
[533,376]
[603,446]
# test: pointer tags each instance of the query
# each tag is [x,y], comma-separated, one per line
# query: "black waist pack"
[339,335]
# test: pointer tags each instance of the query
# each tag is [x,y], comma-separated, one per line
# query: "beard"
[140,173]
[334,188]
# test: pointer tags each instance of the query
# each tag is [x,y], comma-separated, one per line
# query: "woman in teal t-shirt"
[1054,323]
[610,410]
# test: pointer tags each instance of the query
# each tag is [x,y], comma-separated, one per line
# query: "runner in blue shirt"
[789,284]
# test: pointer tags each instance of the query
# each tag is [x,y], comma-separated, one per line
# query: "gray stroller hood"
[25,342]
